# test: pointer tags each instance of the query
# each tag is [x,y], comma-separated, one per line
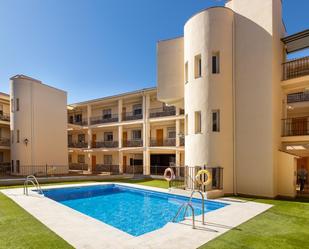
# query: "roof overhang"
[296,41]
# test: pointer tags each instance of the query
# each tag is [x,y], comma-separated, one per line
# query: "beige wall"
[42,119]
[258,54]
[170,57]
[287,167]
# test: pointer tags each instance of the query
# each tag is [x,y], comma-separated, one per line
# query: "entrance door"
[94,140]
[299,126]
[124,163]
[125,139]
[159,137]
[302,164]
[93,162]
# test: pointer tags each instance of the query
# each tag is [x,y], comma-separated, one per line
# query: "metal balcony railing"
[108,168]
[295,126]
[5,117]
[127,116]
[105,144]
[132,143]
[296,68]
[78,166]
[78,122]
[297,97]
[78,145]
[165,142]
[104,119]
[182,141]
[162,112]
[4,141]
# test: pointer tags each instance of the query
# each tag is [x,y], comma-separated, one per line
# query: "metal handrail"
[180,208]
[35,183]
[203,204]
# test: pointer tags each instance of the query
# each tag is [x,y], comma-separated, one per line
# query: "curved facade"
[209,89]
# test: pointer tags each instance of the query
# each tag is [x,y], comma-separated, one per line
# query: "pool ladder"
[32,179]
[189,204]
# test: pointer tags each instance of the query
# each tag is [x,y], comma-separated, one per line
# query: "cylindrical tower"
[208,63]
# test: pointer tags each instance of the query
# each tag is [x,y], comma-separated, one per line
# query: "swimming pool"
[132,210]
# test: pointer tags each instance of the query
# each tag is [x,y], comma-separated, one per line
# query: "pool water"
[132,210]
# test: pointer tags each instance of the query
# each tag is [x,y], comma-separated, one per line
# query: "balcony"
[296,68]
[295,126]
[132,143]
[105,144]
[78,145]
[104,119]
[127,116]
[78,122]
[297,97]
[165,142]
[4,141]
[162,112]
[5,117]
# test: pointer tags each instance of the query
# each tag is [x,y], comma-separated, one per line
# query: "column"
[89,161]
[120,132]
[146,162]
[177,161]
[120,110]
[89,134]
[120,161]
[177,132]
[88,114]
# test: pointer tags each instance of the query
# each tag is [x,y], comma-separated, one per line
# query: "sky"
[97,48]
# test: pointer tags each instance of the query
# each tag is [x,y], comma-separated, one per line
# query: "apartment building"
[245,104]
[126,133]
[5,157]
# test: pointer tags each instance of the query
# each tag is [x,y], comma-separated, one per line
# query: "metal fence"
[112,169]
[297,97]
[104,119]
[295,126]
[132,143]
[105,144]
[39,170]
[78,145]
[5,116]
[162,112]
[4,141]
[164,142]
[78,166]
[126,116]
[296,68]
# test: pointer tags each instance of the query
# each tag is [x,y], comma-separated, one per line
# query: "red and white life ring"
[169,174]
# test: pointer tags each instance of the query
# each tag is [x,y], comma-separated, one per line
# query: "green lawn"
[284,226]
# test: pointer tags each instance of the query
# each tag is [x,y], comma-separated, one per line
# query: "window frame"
[197,66]
[134,132]
[215,63]
[197,122]
[215,126]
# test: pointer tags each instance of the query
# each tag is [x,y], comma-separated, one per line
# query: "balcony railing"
[104,119]
[5,117]
[127,116]
[78,145]
[298,97]
[109,168]
[182,141]
[296,68]
[4,141]
[78,166]
[132,143]
[165,142]
[295,126]
[162,112]
[105,144]
[78,122]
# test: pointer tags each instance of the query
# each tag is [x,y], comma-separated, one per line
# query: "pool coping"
[68,223]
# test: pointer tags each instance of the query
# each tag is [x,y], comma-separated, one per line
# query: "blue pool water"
[132,210]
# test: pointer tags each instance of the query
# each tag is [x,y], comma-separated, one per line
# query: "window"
[198,66]
[81,138]
[17,166]
[136,135]
[12,136]
[216,63]
[17,136]
[171,132]
[186,125]
[78,117]
[1,157]
[107,113]
[186,72]
[198,122]
[12,166]
[81,158]
[17,104]
[108,136]
[108,159]
[12,105]
[137,109]
[216,120]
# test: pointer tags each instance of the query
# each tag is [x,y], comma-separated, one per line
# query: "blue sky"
[95,48]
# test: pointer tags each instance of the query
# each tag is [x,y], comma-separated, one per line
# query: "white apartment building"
[227,97]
